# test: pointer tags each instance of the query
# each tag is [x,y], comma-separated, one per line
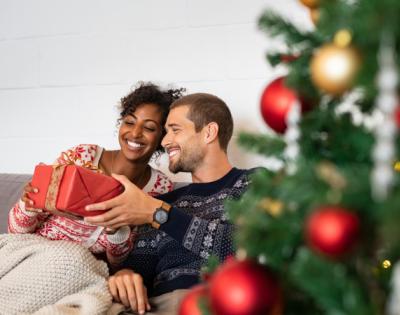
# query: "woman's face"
[140,133]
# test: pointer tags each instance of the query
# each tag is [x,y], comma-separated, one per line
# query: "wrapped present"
[69,188]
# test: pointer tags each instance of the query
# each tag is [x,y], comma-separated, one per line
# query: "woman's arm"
[23,217]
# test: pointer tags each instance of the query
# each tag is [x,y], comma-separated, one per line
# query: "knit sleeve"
[22,221]
[118,245]
[201,236]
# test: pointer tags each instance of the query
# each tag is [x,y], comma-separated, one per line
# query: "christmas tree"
[321,235]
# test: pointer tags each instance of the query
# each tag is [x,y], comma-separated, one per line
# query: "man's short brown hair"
[205,108]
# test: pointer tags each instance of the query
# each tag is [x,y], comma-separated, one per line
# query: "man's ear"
[211,132]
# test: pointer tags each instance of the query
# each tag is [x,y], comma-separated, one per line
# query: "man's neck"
[212,170]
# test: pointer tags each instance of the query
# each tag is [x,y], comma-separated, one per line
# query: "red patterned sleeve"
[118,245]
[22,221]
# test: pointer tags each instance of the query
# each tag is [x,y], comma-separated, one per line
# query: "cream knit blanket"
[39,276]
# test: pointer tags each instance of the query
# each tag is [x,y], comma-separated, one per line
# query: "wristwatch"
[160,216]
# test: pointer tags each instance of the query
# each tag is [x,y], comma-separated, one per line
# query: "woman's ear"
[211,132]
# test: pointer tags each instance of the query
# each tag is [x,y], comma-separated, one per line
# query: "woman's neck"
[137,172]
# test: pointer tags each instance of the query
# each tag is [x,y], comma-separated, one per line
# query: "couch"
[11,186]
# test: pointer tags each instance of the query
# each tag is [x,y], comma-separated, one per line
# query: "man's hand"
[127,287]
[132,207]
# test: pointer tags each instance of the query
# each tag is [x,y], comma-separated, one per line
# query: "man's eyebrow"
[170,125]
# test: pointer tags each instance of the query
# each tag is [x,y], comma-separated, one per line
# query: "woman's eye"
[151,129]
[128,122]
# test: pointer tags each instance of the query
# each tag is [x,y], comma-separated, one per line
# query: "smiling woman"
[143,113]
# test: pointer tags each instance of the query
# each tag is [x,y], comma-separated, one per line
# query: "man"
[181,229]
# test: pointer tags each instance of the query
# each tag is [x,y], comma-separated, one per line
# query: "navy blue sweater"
[170,258]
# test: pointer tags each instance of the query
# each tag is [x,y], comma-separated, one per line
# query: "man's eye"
[149,129]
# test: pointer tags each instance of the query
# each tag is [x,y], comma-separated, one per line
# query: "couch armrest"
[11,186]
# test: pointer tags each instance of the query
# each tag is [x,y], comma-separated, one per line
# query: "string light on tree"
[335,65]
[387,102]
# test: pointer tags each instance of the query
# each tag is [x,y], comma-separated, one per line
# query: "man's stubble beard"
[187,162]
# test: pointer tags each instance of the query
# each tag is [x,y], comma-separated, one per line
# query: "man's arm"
[134,207]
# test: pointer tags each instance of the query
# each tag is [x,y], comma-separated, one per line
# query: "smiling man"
[181,229]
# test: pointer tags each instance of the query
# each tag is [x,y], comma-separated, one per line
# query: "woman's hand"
[29,204]
[127,287]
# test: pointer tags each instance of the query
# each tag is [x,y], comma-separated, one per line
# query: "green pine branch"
[262,144]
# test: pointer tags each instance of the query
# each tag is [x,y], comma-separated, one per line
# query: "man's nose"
[165,141]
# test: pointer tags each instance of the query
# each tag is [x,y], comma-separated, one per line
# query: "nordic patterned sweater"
[170,258]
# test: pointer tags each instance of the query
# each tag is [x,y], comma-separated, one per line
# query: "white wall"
[64,65]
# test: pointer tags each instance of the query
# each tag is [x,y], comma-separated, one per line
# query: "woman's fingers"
[127,287]
[112,285]
[131,291]
[148,307]
[25,197]
[141,295]
[122,293]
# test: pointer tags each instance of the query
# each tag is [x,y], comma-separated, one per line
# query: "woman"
[142,117]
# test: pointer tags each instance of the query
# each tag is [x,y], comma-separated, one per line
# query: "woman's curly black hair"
[149,93]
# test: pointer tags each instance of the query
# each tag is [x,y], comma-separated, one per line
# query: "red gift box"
[69,188]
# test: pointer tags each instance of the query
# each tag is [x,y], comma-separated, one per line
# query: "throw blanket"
[39,276]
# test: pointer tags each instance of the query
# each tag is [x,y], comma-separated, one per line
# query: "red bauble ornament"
[243,288]
[190,302]
[332,230]
[276,101]
[397,116]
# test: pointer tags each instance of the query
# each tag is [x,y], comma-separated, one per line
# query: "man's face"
[184,146]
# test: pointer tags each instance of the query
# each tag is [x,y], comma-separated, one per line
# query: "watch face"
[161,216]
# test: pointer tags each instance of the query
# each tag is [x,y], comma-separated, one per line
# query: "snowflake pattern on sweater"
[116,246]
[171,258]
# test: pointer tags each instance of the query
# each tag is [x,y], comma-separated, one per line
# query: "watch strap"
[164,206]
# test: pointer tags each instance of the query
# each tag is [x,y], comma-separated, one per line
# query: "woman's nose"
[137,130]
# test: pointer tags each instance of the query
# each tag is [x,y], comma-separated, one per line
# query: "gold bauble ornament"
[314,15]
[310,3]
[334,67]
[273,207]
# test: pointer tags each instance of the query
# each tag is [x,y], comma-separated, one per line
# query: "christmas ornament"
[243,288]
[310,3]
[314,15]
[329,173]
[276,101]
[335,65]
[190,302]
[397,116]
[332,230]
[285,58]
[273,207]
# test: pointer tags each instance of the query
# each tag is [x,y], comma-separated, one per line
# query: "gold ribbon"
[54,186]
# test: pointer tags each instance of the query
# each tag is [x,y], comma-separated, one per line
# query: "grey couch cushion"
[11,186]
